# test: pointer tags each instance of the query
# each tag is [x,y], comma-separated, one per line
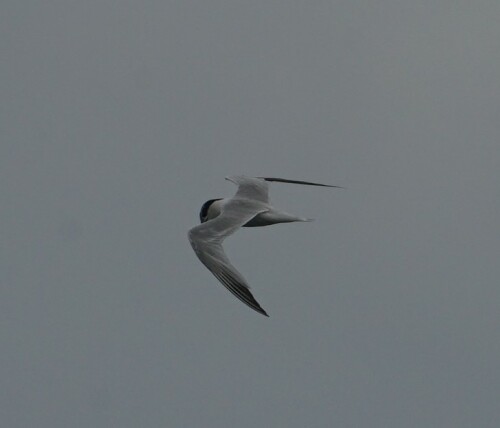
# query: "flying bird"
[221,217]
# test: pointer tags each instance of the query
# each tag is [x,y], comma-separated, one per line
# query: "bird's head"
[204,210]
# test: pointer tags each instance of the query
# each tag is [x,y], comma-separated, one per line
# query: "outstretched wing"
[256,188]
[206,240]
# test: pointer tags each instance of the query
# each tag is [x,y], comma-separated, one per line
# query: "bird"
[221,217]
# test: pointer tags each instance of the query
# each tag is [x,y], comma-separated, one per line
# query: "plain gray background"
[120,118]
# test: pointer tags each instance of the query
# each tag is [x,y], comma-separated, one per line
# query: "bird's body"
[268,217]
[249,207]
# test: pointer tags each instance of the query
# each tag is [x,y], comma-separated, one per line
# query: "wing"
[257,189]
[206,240]
[251,188]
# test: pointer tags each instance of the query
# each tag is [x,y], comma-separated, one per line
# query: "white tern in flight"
[249,207]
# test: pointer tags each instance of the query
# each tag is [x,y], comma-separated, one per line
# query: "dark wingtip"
[307,183]
[257,308]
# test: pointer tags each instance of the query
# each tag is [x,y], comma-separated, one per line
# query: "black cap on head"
[204,209]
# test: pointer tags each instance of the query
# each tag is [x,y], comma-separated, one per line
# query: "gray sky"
[119,119]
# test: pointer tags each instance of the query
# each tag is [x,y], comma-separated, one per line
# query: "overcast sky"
[120,118]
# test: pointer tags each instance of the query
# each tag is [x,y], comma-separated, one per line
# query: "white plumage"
[249,207]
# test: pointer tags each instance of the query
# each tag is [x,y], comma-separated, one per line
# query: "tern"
[220,218]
